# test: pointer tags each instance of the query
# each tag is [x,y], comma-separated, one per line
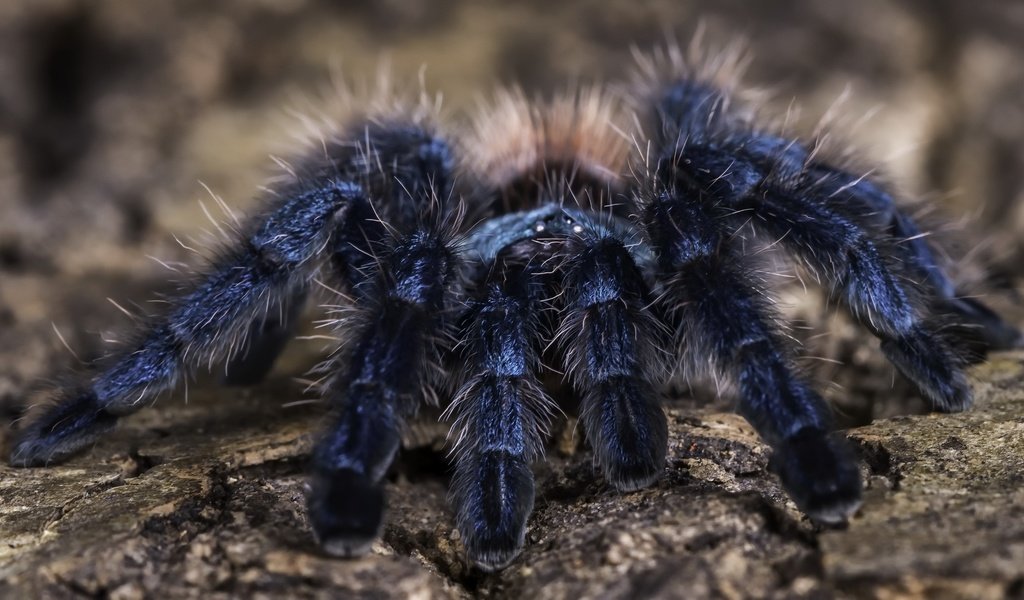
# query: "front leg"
[500,414]
[380,385]
[607,338]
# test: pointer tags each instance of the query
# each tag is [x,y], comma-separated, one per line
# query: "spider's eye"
[539,227]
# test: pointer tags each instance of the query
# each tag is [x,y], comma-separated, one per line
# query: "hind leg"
[205,326]
[267,339]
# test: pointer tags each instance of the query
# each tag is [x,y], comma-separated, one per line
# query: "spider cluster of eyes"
[553,232]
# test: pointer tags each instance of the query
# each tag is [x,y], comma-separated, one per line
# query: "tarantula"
[539,240]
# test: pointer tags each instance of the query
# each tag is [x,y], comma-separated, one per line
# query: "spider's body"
[620,271]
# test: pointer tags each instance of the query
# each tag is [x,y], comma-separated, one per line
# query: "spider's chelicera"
[542,238]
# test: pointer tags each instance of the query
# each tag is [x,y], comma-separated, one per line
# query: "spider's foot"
[633,480]
[630,435]
[632,473]
[346,512]
[60,430]
[494,508]
[933,368]
[981,330]
[821,475]
[494,553]
[493,547]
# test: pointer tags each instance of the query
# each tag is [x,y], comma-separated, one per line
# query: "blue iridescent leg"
[380,385]
[727,324]
[607,341]
[764,176]
[403,286]
[404,295]
[980,328]
[204,326]
[877,299]
[501,412]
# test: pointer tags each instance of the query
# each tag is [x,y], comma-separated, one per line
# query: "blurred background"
[113,111]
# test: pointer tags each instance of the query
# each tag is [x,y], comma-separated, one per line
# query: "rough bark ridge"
[207,499]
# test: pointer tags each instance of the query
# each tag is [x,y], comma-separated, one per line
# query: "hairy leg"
[724,321]
[404,288]
[785,207]
[378,387]
[977,326]
[501,412]
[324,208]
[204,326]
[750,174]
[608,343]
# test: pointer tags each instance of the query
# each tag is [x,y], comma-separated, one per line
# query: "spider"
[544,238]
